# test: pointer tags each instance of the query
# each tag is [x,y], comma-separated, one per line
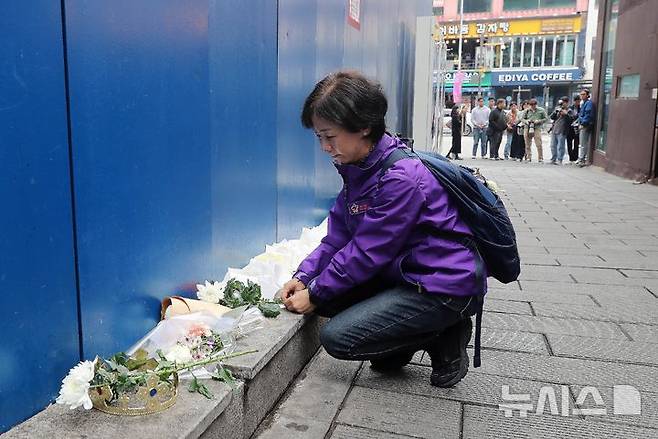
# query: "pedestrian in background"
[456,115]
[562,118]
[497,126]
[491,105]
[572,134]
[517,151]
[510,118]
[533,119]
[480,121]
[586,118]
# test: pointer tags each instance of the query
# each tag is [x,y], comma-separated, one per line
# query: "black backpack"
[484,213]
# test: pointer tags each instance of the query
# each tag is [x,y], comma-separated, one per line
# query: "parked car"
[447,123]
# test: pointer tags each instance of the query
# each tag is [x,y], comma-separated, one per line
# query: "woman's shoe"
[392,363]
[448,353]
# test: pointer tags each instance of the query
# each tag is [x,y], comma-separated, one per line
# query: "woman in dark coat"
[456,126]
[517,149]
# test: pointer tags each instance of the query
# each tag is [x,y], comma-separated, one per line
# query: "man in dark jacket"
[562,118]
[497,126]
[586,118]
[572,135]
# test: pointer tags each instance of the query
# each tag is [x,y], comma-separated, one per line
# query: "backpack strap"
[397,154]
[465,240]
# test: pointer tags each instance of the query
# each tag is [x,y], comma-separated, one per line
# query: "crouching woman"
[387,273]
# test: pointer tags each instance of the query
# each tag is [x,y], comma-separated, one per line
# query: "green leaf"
[269,309]
[224,375]
[120,358]
[198,387]
[251,293]
[140,360]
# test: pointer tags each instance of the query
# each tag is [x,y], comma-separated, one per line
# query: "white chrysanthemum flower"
[75,386]
[179,354]
[210,291]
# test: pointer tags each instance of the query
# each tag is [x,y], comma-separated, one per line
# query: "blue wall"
[186,156]
[39,323]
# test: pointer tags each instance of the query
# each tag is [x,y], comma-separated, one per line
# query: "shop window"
[477,6]
[568,56]
[559,51]
[558,3]
[609,38]
[516,52]
[515,5]
[506,51]
[628,87]
[538,53]
[527,52]
[549,51]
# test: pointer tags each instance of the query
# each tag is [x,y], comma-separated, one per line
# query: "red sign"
[354,13]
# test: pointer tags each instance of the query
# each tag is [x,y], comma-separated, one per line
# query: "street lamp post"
[461,24]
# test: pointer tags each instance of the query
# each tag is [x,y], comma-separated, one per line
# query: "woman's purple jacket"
[376,228]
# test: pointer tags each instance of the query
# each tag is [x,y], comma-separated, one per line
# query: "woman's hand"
[299,302]
[289,288]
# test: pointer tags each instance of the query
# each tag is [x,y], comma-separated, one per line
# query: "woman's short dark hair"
[349,100]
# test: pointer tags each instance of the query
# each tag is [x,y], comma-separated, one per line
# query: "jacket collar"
[372,162]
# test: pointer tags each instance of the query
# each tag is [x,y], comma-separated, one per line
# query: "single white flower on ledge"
[75,386]
[179,354]
[210,292]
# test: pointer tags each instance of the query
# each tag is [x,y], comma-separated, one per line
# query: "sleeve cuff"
[302,277]
[315,300]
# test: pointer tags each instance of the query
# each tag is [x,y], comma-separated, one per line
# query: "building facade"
[626,88]
[516,49]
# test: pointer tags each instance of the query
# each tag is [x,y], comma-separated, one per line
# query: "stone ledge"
[285,345]
[268,340]
[188,418]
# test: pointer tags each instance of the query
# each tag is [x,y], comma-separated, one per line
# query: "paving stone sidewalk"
[582,319]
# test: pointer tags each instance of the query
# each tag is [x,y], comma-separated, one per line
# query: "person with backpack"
[398,271]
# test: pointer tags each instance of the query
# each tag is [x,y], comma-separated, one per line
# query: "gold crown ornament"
[152,397]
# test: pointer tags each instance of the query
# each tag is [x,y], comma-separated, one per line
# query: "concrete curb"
[285,345]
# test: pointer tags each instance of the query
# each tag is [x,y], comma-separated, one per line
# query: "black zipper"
[347,208]
[405,277]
